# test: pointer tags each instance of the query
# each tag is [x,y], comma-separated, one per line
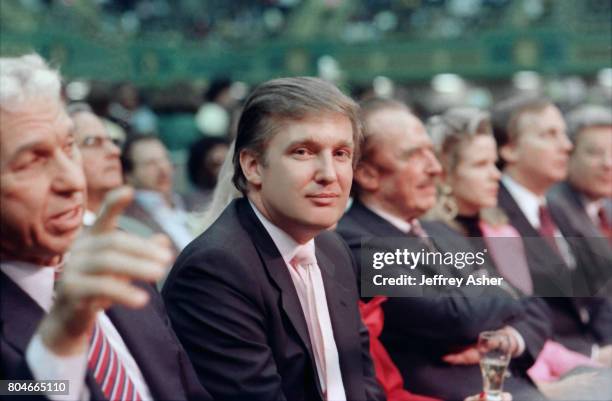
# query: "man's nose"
[68,175]
[433,166]
[326,171]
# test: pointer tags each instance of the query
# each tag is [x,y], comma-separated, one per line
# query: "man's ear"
[251,167]
[367,176]
[508,152]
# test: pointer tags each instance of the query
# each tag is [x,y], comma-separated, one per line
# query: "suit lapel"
[19,314]
[145,334]
[277,271]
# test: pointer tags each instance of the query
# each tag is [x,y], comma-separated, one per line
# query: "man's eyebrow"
[313,142]
[23,148]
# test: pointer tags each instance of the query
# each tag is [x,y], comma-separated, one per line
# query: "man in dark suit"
[534,153]
[582,205]
[395,185]
[265,300]
[100,326]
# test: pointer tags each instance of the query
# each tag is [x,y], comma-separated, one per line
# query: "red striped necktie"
[108,371]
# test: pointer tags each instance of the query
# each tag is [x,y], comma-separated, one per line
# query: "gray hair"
[585,117]
[25,78]
[452,128]
[287,99]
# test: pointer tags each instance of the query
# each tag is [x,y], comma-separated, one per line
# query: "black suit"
[577,322]
[234,307]
[146,333]
[592,250]
[418,331]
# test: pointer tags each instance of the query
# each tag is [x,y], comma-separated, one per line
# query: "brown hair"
[507,117]
[287,99]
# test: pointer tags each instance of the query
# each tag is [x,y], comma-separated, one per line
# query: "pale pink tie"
[314,306]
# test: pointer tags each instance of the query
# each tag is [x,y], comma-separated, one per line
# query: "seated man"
[147,168]
[104,328]
[395,185]
[265,300]
[582,204]
[534,154]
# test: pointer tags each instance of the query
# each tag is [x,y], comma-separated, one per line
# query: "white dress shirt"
[37,282]
[395,221]
[320,329]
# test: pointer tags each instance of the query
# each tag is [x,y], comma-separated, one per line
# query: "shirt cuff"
[519,339]
[46,365]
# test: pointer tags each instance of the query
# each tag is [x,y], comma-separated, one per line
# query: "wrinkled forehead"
[41,120]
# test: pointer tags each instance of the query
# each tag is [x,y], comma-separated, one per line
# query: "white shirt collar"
[592,208]
[286,245]
[37,281]
[528,202]
[395,221]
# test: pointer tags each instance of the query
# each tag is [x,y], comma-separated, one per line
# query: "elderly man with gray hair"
[89,318]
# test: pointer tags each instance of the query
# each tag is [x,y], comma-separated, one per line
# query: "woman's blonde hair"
[450,132]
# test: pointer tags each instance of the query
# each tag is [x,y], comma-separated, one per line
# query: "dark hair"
[287,99]
[198,152]
[506,116]
[127,163]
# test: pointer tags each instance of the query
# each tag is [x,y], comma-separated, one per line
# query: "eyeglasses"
[99,142]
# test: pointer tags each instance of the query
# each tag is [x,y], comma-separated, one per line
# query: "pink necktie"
[108,370]
[311,292]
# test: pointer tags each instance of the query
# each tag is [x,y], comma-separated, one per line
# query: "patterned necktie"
[108,371]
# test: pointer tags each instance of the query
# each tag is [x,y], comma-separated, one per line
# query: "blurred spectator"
[128,110]
[395,184]
[589,182]
[534,148]
[148,169]
[214,116]
[100,153]
[205,159]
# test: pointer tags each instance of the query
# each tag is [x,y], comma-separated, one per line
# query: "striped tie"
[108,370]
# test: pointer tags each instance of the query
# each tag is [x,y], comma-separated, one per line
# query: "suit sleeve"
[191,384]
[216,315]
[535,327]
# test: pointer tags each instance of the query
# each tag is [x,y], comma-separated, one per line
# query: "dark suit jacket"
[146,332]
[418,331]
[235,309]
[592,250]
[577,322]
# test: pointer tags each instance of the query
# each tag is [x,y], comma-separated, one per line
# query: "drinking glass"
[494,350]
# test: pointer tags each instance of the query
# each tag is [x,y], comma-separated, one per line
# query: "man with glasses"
[100,153]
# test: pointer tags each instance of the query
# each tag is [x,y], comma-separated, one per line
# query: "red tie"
[108,370]
[548,227]
[604,225]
